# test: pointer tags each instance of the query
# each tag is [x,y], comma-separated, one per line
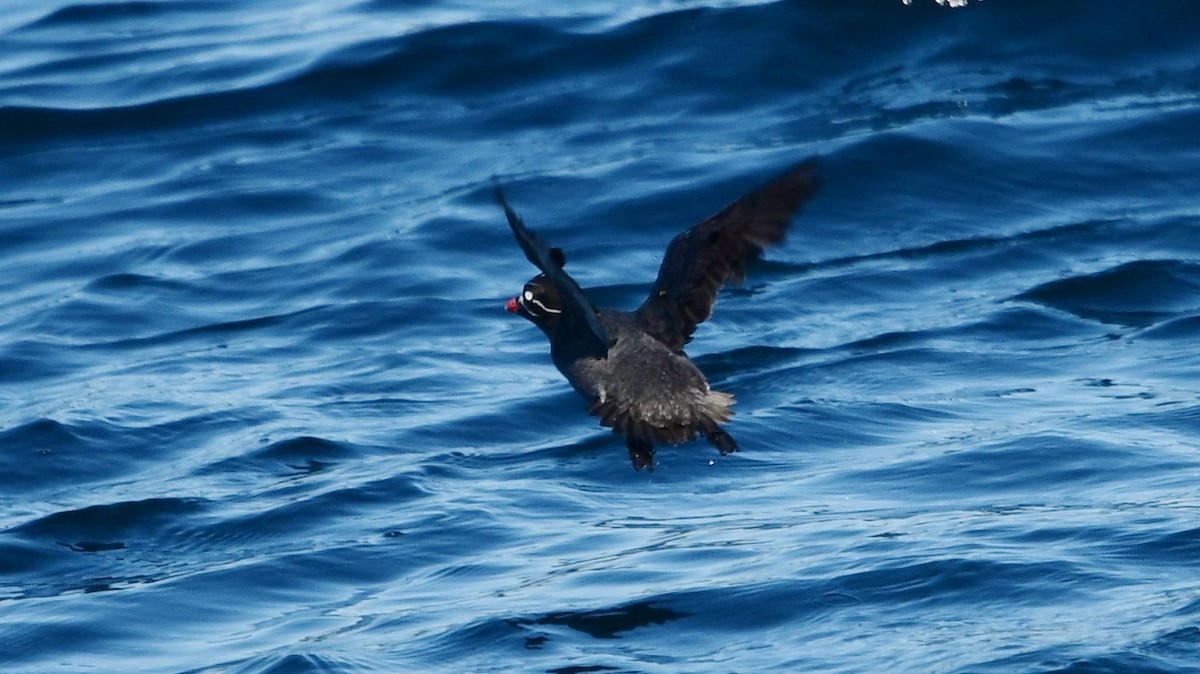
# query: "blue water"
[262,411]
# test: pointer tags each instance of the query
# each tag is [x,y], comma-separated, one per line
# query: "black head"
[539,301]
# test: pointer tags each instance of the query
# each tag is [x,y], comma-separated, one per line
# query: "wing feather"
[699,261]
[578,310]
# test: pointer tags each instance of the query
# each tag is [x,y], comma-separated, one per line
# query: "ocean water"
[262,411]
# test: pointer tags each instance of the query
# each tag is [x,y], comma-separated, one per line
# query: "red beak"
[512,305]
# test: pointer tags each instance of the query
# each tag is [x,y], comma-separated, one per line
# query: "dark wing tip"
[498,192]
[806,178]
[514,220]
[536,250]
[783,196]
[810,167]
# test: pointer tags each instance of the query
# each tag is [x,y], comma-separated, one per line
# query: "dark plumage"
[630,366]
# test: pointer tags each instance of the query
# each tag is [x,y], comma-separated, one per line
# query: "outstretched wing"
[700,260]
[579,313]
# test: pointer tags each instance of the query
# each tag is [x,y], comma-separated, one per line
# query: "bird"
[630,366]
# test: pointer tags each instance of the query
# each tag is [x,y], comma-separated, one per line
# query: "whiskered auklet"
[630,366]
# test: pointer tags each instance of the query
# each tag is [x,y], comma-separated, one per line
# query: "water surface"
[261,409]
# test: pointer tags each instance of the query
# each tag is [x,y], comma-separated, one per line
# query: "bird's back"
[645,389]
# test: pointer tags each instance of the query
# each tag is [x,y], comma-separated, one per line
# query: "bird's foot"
[641,453]
[721,440]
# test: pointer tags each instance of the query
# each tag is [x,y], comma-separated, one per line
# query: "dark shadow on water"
[609,623]
[1137,294]
[581,669]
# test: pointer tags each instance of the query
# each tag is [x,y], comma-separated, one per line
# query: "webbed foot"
[641,453]
[721,440]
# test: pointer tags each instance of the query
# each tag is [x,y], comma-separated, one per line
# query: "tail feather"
[702,417]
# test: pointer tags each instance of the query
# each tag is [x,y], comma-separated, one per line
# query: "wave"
[111,520]
[1135,294]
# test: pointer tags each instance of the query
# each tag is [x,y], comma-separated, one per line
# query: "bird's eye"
[528,295]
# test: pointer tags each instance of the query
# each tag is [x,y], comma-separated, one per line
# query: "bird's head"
[539,301]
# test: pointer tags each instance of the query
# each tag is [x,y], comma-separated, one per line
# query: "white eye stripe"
[547,309]
[528,297]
